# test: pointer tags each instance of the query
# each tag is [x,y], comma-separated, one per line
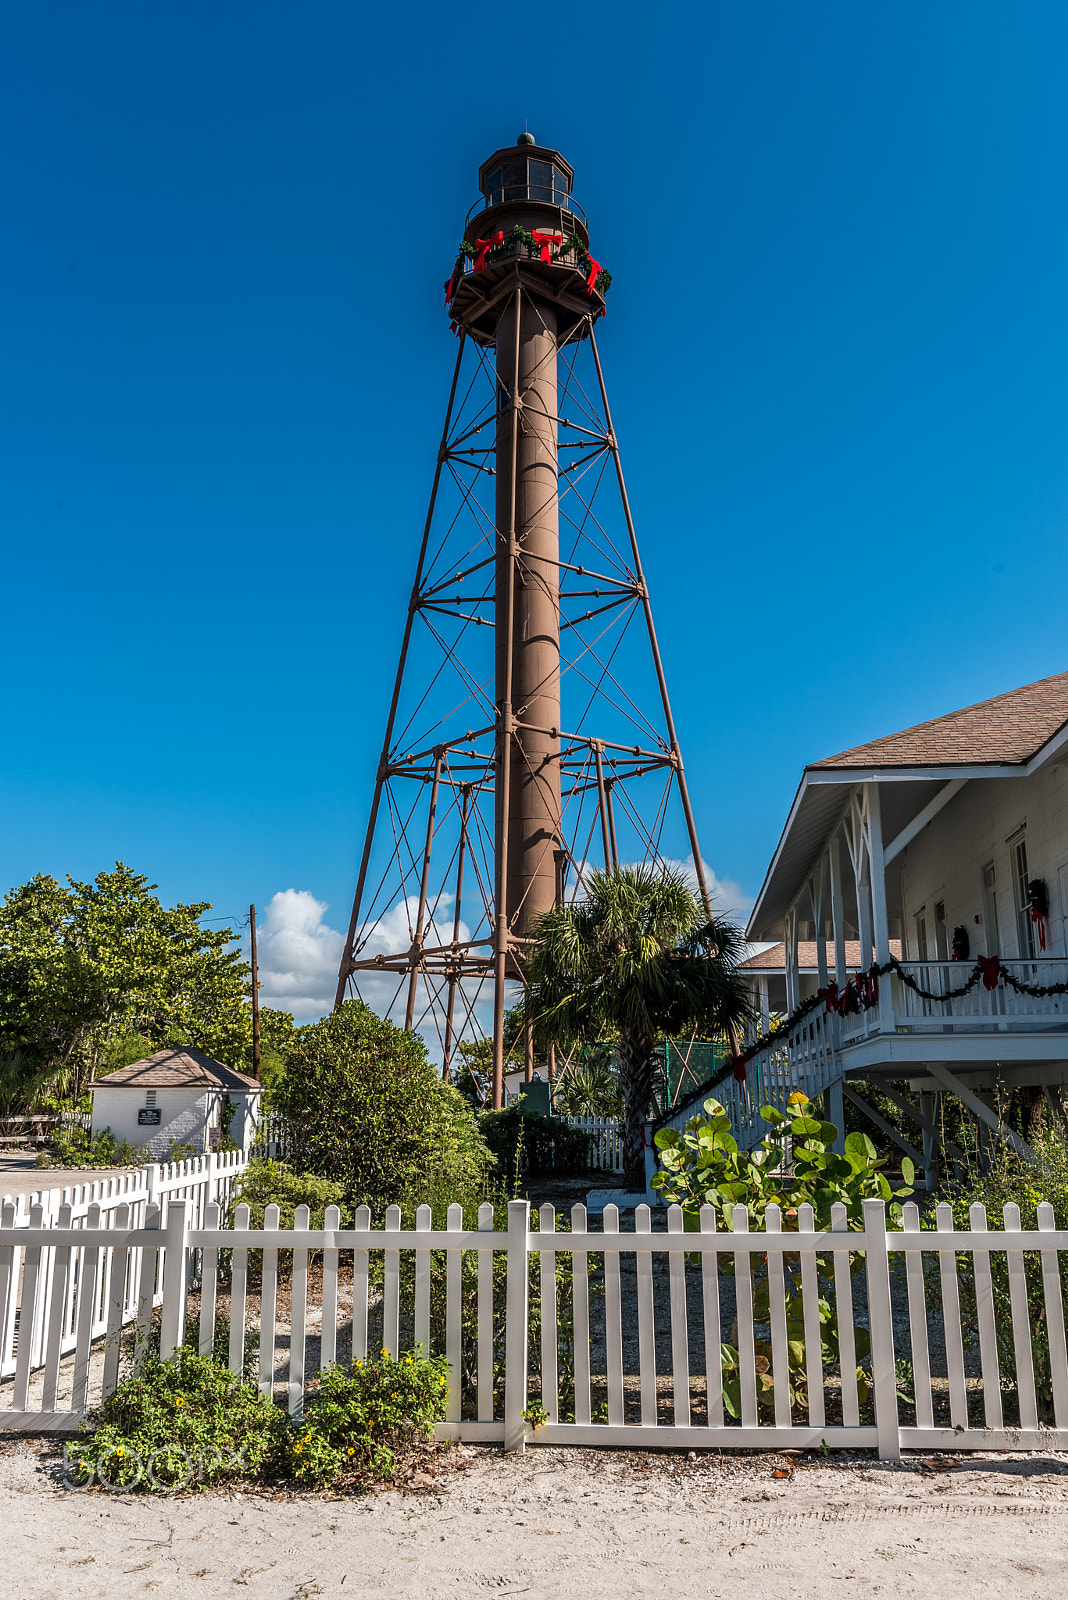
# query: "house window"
[991,935]
[1025,928]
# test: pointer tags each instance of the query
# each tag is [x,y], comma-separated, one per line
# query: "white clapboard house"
[942,846]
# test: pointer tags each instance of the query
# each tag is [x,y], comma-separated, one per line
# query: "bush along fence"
[560,1334]
[43,1312]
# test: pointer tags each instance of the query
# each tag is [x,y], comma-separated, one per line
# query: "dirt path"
[560,1524]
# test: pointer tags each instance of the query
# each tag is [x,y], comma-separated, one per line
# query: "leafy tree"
[638,957]
[85,965]
[278,1035]
[368,1108]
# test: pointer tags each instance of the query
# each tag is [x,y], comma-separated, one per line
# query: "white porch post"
[880,921]
[837,913]
[765,1008]
[793,976]
[818,891]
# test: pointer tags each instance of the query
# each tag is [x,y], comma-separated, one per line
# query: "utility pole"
[255,998]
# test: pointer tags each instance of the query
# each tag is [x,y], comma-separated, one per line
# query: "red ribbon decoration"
[990,967]
[457,274]
[1036,916]
[830,998]
[593,274]
[484,248]
[545,240]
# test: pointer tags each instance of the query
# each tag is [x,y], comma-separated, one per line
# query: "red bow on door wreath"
[545,240]
[484,248]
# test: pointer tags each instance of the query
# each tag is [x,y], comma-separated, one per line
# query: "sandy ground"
[19,1174]
[551,1523]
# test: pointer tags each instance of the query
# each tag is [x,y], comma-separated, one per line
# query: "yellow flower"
[297,1448]
[443,1385]
[120,1451]
[351,1451]
[359,1363]
[393,1396]
[179,1401]
[408,1360]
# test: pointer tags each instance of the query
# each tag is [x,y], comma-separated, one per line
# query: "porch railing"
[1000,1008]
[803,1060]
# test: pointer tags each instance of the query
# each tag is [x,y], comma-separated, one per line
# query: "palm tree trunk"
[636,1083]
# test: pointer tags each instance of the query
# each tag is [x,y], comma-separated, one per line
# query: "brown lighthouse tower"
[517,768]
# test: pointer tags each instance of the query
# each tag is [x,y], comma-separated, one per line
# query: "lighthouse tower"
[506,772]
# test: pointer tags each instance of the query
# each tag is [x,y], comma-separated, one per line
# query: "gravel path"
[554,1524]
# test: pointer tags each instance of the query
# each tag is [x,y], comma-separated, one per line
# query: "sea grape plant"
[794,1165]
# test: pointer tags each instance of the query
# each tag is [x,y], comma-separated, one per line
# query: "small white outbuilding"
[177,1096]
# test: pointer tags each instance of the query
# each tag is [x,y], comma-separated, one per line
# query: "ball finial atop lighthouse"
[526,138]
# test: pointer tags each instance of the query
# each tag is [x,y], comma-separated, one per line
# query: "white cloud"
[299,955]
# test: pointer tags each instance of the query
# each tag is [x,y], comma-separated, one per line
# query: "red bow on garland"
[990,967]
[830,998]
[545,240]
[593,274]
[484,248]
[1036,916]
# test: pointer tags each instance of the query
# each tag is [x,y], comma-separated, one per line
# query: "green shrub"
[190,1423]
[368,1110]
[524,1142]
[182,1421]
[367,1415]
[265,1183]
[76,1149]
[1011,1180]
[703,1166]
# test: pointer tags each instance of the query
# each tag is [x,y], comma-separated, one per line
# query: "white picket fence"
[631,1312]
[606,1136]
[39,1303]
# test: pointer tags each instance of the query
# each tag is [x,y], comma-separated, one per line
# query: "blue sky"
[837,353]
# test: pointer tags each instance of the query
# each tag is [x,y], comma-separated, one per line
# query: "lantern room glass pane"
[541,181]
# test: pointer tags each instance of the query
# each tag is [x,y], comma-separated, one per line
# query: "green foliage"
[189,1422]
[473,1077]
[704,1166]
[265,1183]
[182,1421]
[637,958]
[1010,1180]
[368,1109]
[85,965]
[547,1144]
[589,1087]
[76,1149]
[365,1416]
[278,1035]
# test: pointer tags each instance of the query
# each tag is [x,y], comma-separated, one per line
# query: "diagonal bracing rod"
[354,921]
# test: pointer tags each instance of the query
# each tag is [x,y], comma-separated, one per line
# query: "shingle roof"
[1008,730]
[774,958]
[176,1069]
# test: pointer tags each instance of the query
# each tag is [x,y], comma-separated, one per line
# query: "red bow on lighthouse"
[484,248]
[545,240]
[457,274]
[593,274]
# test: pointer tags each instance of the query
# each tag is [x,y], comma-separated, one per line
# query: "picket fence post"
[881,1328]
[515,1325]
[172,1327]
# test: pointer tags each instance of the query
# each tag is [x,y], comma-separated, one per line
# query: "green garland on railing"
[862,994]
[518,235]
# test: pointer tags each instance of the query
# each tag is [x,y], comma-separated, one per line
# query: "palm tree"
[639,956]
